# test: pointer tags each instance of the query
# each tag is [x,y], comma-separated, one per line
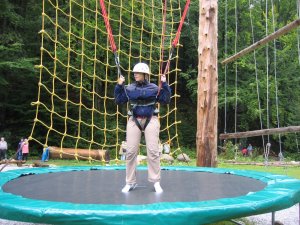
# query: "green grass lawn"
[291,171]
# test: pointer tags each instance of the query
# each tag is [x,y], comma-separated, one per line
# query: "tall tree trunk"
[207,107]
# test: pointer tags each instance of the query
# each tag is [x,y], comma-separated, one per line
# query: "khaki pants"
[153,156]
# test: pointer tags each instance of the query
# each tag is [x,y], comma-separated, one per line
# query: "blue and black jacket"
[142,96]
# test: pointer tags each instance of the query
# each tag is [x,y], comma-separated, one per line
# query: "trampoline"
[92,195]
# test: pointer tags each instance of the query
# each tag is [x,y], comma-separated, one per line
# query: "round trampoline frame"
[280,192]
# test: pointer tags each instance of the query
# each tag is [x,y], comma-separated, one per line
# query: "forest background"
[20,23]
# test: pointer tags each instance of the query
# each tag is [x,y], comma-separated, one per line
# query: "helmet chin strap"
[146,76]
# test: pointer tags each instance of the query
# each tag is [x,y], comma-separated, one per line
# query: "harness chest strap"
[135,103]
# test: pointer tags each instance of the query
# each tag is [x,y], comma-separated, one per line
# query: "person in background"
[123,150]
[142,96]
[25,149]
[167,148]
[19,150]
[3,149]
[45,155]
[244,151]
[161,148]
[241,146]
[249,150]
[107,157]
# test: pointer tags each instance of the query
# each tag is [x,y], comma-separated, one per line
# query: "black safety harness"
[134,103]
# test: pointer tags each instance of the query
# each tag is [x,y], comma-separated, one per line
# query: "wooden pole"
[263,41]
[72,153]
[207,106]
[291,129]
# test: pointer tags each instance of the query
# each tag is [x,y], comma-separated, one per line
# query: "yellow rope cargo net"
[75,107]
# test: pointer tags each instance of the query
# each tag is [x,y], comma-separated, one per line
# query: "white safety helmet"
[141,68]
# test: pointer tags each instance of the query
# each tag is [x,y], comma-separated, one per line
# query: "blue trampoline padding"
[281,192]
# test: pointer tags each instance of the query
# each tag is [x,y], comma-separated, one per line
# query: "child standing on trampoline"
[142,96]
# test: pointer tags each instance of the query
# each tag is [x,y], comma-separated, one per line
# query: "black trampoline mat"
[104,187]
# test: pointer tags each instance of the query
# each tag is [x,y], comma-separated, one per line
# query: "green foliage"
[191,152]
[19,51]
[292,156]
[190,79]
[255,90]
[229,151]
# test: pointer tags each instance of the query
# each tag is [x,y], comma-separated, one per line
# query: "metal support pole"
[273,218]
[299,211]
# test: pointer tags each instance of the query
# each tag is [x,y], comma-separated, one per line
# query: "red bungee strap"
[112,41]
[110,36]
[108,27]
[176,39]
[174,43]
